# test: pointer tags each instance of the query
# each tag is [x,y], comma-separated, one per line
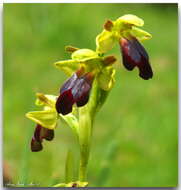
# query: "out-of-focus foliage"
[135,133]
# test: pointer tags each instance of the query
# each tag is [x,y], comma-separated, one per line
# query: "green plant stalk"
[85,131]
[69,167]
[85,124]
[86,119]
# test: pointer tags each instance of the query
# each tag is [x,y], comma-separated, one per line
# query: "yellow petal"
[45,100]
[67,66]
[47,118]
[105,41]
[106,78]
[83,55]
[131,19]
[140,34]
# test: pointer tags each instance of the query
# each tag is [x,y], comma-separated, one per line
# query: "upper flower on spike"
[124,31]
[114,30]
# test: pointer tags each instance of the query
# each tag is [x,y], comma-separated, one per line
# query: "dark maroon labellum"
[36,145]
[69,83]
[65,102]
[40,133]
[47,134]
[37,133]
[135,55]
[75,90]
[80,91]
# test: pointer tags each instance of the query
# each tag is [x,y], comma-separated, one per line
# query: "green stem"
[69,167]
[85,125]
[86,115]
[86,118]
[72,122]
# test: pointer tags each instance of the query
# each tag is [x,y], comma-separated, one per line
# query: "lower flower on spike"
[40,133]
[46,121]
[135,55]
[75,90]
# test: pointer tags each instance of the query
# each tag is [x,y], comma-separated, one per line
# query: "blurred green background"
[135,136]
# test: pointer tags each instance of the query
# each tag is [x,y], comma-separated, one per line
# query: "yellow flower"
[124,26]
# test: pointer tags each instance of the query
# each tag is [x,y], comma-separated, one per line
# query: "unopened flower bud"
[109,60]
[108,25]
[70,49]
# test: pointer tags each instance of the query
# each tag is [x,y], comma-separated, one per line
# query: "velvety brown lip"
[135,55]
[40,133]
[75,90]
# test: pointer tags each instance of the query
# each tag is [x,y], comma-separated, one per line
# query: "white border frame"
[85,1]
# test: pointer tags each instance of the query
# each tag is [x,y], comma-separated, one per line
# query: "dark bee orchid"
[40,133]
[82,67]
[125,31]
[75,90]
[46,120]
[135,55]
